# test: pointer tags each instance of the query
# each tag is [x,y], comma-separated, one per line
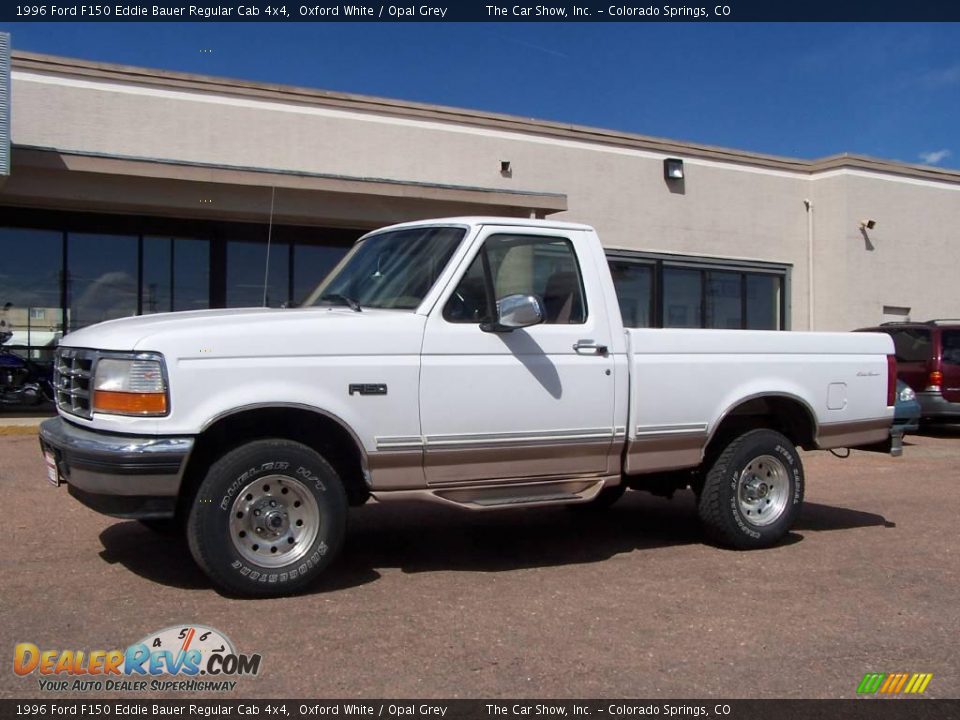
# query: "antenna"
[266,266]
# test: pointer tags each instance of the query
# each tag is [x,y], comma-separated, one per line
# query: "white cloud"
[942,77]
[933,157]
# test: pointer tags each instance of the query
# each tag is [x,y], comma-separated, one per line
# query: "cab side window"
[521,264]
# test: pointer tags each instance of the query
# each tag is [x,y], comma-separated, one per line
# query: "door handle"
[589,347]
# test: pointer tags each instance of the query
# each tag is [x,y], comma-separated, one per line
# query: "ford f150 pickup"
[477,362]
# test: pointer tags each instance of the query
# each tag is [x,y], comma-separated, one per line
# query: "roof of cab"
[474,221]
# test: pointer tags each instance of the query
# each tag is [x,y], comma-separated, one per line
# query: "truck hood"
[259,332]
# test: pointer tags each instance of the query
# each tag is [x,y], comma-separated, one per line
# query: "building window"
[764,301]
[62,271]
[682,298]
[176,274]
[30,298]
[634,284]
[658,290]
[248,265]
[724,300]
[311,264]
[102,278]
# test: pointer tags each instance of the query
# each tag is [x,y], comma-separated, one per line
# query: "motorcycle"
[22,381]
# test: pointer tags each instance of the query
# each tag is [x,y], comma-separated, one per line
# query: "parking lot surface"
[434,602]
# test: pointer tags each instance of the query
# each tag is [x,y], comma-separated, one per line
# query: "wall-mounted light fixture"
[673,169]
[506,169]
[868,224]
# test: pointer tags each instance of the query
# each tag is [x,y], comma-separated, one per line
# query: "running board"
[527,499]
[505,495]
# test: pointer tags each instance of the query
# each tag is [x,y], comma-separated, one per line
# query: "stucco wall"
[722,209]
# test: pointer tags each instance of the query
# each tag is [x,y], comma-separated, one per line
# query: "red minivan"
[928,360]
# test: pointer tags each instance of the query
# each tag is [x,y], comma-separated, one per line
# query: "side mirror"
[515,311]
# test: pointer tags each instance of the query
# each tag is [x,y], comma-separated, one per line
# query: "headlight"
[130,386]
[907,394]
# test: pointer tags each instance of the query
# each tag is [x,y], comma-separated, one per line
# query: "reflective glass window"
[101,278]
[682,294]
[176,274]
[31,262]
[246,262]
[724,308]
[633,282]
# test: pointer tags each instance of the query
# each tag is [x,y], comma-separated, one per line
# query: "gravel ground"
[432,602]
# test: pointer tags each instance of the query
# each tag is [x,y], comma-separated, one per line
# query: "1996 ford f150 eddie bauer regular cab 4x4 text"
[476,362]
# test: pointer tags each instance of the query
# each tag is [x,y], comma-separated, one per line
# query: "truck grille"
[73,380]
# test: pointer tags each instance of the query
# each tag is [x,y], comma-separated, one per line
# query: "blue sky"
[802,90]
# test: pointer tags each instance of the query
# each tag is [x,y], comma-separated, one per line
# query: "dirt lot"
[430,602]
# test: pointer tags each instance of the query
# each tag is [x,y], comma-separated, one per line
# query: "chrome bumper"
[121,475]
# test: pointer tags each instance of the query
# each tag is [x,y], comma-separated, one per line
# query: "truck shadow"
[939,431]
[422,538]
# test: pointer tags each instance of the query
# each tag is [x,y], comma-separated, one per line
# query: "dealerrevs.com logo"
[182,658]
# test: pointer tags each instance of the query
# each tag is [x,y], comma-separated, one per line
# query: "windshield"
[389,270]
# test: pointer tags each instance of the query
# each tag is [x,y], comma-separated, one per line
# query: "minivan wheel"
[753,492]
[268,518]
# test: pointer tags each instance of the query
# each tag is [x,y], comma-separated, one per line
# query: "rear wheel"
[753,492]
[268,518]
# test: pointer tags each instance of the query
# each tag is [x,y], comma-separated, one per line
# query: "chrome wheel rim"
[274,521]
[763,490]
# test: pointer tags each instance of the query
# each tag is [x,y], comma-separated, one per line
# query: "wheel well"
[319,432]
[783,414]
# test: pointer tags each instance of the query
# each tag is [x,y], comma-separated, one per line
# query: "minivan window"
[951,347]
[911,344]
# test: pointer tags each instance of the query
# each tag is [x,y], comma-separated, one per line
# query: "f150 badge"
[368,389]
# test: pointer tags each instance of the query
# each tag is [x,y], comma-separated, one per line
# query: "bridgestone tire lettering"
[208,525]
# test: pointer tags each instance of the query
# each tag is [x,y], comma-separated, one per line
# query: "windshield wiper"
[343,300]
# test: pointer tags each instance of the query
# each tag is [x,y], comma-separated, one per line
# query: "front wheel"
[268,518]
[753,492]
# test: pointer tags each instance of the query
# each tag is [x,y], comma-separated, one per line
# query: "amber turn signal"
[129,403]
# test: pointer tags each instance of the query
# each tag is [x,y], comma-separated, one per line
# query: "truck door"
[537,402]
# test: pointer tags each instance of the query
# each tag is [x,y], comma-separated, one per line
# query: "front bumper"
[127,476]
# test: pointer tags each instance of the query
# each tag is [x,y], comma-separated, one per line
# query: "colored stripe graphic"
[894,683]
[871,682]
[889,682]
[922,683]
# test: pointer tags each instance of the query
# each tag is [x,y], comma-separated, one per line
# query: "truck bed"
[678,377]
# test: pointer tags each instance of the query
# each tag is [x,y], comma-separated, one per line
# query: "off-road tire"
[277,486]
[736,491]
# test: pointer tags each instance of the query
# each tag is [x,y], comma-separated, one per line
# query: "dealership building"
[127,190]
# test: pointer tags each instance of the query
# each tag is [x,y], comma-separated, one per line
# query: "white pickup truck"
[476,362]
